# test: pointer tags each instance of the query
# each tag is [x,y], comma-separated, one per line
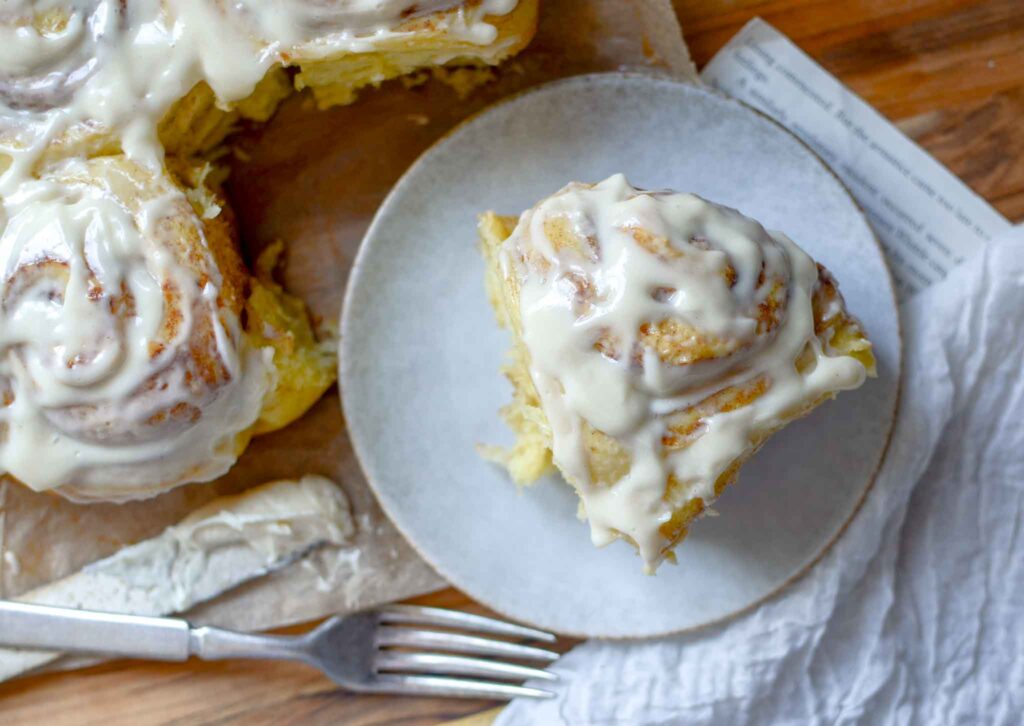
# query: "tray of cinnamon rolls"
[139,351]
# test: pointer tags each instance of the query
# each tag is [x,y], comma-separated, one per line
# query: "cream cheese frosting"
[586,311]
[89,276]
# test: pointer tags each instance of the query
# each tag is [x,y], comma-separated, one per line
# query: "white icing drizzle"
[85,376]
[582,313]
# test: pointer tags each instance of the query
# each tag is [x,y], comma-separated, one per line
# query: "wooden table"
[950,73]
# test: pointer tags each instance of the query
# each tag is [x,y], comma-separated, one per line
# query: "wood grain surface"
[950,73]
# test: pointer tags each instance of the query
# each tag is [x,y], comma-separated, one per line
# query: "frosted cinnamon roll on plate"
[659,340]
[420,355]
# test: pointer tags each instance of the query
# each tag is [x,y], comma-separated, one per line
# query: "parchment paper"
[314,179]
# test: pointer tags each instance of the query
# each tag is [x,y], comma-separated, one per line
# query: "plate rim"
[345,375]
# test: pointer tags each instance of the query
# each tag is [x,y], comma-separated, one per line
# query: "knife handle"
[42,627]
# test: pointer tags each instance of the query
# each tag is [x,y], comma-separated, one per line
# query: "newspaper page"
[927,220]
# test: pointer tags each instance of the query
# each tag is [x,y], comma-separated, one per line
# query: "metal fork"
[376,651]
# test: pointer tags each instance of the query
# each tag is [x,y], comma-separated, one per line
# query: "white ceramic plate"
[420,356]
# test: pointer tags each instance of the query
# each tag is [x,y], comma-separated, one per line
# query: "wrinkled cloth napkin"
[916,615]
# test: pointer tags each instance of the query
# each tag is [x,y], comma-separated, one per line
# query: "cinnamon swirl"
[659,340]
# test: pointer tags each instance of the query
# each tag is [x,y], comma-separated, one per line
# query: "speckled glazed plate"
[420,356]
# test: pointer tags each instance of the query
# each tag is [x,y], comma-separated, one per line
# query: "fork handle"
[64,629]
[211,643]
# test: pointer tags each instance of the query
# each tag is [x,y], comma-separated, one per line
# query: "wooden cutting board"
[950,73]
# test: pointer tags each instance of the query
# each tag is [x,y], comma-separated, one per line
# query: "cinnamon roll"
[123,361]
[659,340]
[50,49]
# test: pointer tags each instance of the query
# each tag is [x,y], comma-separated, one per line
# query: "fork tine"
[417,615]
[455,665]
[459,643]
[455,687]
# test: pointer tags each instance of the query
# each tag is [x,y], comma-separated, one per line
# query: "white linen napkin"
[916,615]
